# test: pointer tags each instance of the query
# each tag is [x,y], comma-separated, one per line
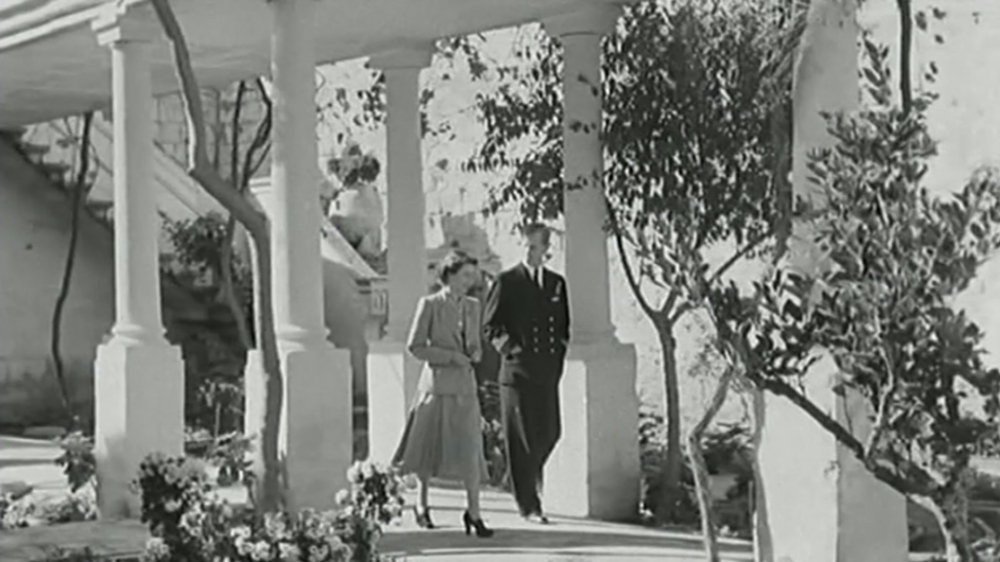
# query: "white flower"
[318,553]
[156,548]
[261,551]
[240,532]
[289,552]
[172,505]
[354,474]
[367,469]
[411,481]
[343,497]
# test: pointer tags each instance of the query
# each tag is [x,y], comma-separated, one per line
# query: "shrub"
[189,524]
[77,460]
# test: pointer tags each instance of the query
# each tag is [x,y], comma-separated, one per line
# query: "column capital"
[598,20]
[125,24]
[412,57]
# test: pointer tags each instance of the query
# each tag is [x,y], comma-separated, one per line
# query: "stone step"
[13,133]
[56,171]
[33,150]
[100,208]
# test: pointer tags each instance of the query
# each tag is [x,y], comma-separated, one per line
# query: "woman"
[443,436]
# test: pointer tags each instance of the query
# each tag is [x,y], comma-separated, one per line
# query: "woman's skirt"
[443,438]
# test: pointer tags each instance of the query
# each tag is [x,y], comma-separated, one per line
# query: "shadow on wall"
[30,395]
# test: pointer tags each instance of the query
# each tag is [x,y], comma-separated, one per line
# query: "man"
[527,319]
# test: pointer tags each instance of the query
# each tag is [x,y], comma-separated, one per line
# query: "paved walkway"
[31,461]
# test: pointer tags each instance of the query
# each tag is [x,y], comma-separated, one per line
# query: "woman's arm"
[495,318]
[475,342]
[418,342]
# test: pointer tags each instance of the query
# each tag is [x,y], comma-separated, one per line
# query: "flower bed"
[189,524]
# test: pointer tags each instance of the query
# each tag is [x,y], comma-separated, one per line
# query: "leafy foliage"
[881,306]
[214,356]
[685,128]
[189,524]
[77,460]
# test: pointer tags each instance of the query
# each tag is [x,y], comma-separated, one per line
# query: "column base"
[819,503]
[138,410]
[317,435]
[392,381]
[594,471]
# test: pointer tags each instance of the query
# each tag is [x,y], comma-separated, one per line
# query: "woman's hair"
[453,263]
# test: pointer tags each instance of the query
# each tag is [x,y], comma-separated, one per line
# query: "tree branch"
[878,428]
[633,283]
[260,138]
[905,46]
[199,167]
[78,198]
[843,436]
[268,458]
[711,542]
[234,139]
[740,254]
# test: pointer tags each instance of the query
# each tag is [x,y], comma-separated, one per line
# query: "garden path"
[31,461]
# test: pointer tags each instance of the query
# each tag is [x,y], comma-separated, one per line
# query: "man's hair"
[453,263]
[533,228]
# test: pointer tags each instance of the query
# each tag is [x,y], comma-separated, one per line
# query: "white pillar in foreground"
[852,517]
[139,381]
[392,373]
[594,470]
[316,436]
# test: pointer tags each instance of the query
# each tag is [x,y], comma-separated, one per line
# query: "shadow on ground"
[451,539]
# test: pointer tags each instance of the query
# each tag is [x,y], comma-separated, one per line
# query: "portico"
[140,381]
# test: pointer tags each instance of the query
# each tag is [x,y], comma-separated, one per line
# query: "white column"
[295,175]
[139,382]
[392,373]
[407,250]
[585,213]
[853,517]
[594,470]
[316,435]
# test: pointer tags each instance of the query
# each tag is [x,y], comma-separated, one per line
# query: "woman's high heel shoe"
[482,531]
[423,518]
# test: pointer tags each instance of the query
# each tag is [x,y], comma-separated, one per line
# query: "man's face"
[538,248]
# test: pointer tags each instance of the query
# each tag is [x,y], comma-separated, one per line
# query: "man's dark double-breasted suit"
[528,323]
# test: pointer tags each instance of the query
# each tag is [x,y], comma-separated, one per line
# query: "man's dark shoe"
[536,517]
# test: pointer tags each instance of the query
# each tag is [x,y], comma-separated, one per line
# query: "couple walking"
[526,318]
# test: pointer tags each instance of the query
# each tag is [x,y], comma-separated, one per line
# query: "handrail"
[167,173]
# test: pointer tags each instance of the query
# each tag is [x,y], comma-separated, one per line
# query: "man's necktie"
[538,277]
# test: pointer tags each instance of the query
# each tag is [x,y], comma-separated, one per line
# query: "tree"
[688,105]
[882,308]
[269,491]
[80,187]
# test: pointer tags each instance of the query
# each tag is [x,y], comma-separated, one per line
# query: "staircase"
[54,148]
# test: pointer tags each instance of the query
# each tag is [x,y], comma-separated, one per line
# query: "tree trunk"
[673,463]
[763,551]
[267,461]
[905,48]
[781,140]
[268,483]
[701,480]
[78,198]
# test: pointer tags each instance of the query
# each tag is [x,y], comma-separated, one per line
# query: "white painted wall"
[34,238]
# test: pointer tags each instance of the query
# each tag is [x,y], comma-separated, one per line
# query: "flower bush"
[77,460]
[188,523]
